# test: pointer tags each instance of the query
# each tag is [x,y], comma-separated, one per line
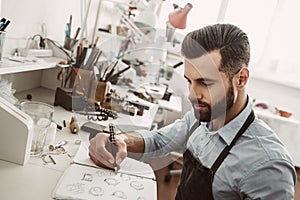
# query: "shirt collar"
[229,131]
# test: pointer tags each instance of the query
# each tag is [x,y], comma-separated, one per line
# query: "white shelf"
[7,66]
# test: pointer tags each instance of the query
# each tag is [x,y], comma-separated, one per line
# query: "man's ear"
[242,77]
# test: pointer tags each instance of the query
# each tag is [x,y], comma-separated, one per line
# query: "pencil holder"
[2,39]
[99,90]
[80,80]
[70,43]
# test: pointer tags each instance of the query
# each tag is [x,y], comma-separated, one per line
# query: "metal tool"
[112,138]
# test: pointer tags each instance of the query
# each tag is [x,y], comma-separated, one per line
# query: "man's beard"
[216,110]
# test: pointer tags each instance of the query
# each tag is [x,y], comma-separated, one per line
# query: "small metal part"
[52,160]
[53,147]
[44,159]
[46,162]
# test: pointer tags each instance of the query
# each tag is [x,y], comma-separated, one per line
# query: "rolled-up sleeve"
[167,139]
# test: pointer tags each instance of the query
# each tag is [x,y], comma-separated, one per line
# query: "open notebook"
[85,180]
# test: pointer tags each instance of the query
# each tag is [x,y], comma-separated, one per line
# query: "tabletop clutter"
[95,97]
[87,79]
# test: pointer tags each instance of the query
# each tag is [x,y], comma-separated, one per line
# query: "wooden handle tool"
[74,128]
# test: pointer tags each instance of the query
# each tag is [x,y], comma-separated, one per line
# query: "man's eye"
[206,83]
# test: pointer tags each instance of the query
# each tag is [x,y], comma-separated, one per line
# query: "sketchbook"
[86,181]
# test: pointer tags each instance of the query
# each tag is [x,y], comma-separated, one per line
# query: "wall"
[28,16]
[275,94]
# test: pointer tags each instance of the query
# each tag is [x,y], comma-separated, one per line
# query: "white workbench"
[36,180]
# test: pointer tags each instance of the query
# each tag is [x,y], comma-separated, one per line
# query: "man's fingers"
[96,161]
[99,146]
[97,156]
[100,150]
[122,151]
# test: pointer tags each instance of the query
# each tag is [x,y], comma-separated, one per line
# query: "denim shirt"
[257,167]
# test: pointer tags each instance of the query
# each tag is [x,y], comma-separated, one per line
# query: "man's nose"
[194,93]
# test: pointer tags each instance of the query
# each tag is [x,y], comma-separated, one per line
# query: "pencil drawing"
[104,173]
[87,177]
[96,191]
[76,188]
[125,177]
[111,181]
[119,194]
[137,185]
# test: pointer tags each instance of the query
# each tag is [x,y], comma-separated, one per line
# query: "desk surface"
[36,180]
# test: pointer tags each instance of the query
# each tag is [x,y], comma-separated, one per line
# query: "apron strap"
[226,150]
[194,127]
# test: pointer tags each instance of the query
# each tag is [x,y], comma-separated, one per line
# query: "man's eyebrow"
[201,79]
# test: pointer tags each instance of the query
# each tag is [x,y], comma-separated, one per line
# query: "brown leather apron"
[196,180]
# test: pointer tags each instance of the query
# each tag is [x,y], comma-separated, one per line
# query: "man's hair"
[230,40]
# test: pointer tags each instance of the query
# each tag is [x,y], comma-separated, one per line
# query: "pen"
[68,30]
[118,73]
[110,73]
[70,25]
[113,144]
[5,25]
[70,19]
[2,22]
[76,34]
[93,45]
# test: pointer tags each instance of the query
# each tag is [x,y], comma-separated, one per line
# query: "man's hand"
[99,150]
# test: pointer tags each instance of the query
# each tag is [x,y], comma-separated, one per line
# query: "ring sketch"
[96,191]
[91,183]
[137,185]
[125,177]
[119,194]
[102,173]
[111,181]
[87,177]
